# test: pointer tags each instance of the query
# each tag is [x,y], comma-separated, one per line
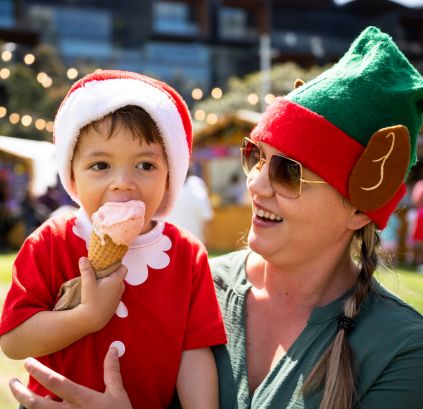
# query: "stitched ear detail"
[381,168]
[298,82]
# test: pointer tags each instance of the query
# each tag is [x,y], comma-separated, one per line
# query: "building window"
[6,13]
[173,18]
[236,24]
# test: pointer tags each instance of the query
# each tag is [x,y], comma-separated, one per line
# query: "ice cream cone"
[104,255]
[115,226]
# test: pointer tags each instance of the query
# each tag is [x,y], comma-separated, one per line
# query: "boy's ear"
[358,220]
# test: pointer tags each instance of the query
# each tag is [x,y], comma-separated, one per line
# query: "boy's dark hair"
[133,118]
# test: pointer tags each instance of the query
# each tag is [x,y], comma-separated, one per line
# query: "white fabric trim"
[99,98]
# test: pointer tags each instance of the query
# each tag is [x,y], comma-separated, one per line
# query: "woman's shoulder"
[228,269]
[384,303]
[387,341]
[392,322]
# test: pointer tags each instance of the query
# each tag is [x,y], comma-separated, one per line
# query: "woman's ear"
[358,220]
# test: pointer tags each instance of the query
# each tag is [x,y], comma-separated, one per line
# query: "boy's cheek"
[72,180]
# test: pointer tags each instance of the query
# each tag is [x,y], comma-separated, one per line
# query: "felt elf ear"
[298,82]
[381,168]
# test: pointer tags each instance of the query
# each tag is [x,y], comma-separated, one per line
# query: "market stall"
[216,158]
[27,167]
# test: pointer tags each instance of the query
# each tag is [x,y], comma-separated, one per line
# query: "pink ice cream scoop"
[121,221]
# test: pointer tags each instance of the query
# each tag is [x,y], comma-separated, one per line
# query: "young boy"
[120,136]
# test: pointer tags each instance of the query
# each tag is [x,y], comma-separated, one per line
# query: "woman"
[308,327]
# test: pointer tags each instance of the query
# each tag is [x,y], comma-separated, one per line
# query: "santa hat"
[103,92]
[356,125]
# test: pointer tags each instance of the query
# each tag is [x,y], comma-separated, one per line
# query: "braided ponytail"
[335,368]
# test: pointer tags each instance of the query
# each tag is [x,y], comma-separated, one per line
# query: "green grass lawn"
[8,367]
[407,284]
[6,261]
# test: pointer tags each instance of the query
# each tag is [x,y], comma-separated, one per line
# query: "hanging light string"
[20,118]
[43,124]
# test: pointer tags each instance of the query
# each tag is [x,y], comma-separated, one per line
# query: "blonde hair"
[335,368]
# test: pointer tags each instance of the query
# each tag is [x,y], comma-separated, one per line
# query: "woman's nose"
[258,182]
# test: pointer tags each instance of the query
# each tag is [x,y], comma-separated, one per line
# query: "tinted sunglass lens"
[250,156]
[285,175]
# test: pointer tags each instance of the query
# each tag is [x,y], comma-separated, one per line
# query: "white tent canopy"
[41,155]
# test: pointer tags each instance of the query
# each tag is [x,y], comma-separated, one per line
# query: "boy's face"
[118,169]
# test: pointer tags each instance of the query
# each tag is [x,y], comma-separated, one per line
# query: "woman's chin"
[256,243]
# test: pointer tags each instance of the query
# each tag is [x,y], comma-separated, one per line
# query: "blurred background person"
[50,199]
[416,225]
[192,209]
[235,192]
[389,238]
[32,213]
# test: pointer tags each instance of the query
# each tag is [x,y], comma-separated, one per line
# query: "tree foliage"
[282,78]
[23,94]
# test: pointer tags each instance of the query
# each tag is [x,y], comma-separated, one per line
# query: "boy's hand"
[100,297]
[74,396]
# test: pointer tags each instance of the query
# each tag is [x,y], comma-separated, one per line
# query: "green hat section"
[373,86]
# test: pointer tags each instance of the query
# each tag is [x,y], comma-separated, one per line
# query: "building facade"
[201,43]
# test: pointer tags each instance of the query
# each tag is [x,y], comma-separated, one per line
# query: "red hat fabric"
[103,92]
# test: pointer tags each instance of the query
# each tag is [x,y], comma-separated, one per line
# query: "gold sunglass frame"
[263,160]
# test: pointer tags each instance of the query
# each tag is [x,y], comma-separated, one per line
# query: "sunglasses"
[285,174]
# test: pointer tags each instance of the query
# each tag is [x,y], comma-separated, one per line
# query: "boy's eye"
[145,166]
[100,166]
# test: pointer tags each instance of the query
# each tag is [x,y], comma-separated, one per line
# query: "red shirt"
[169,305]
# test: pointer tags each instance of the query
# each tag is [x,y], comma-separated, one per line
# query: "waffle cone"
[105,257]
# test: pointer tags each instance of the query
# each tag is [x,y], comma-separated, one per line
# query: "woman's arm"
[74,396]
[50,331]
[197,384]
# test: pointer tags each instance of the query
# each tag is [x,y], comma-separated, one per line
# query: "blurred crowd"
[402,239]
[19,216]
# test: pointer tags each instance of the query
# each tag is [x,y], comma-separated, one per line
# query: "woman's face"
[296,231]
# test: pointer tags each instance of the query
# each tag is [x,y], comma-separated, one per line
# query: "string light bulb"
[47,83]
[200,115]
[29,59]
[50,126]
[41,76]
[6,55]
[40,124]
[14,118]
[216,93]
[26,120]
[197,94]
[211,119]
[4,73]
[269,98]
[72,73]
[253,99]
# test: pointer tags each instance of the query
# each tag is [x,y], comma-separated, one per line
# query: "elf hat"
[355,125]
[103,92]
